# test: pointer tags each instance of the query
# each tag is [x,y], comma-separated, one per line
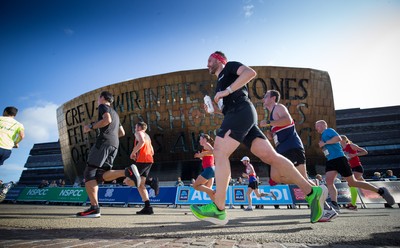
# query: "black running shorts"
[359,169]
[242,120]
[103,156]
[296,156]
[100,160]
[341,165]
[144,169]
[253,185]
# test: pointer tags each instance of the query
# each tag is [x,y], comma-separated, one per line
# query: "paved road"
[55,226]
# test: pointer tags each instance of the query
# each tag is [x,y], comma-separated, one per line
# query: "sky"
[52,51]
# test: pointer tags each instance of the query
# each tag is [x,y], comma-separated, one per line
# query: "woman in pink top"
[352,153]
[205,180]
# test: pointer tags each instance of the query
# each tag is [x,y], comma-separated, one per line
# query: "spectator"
[43,184]
[239,181]
[192,182]
[377,176]
[389,175]
[61,183]
[76,183]
[53,184]
[319,179]
[179,182]
[113,183]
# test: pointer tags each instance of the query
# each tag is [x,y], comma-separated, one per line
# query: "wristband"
[229,89]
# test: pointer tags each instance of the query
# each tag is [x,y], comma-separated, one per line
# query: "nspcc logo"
[239,194]
[184,195]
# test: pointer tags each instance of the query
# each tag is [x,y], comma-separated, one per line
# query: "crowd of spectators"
[387,176]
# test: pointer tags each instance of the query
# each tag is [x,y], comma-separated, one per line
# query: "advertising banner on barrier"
[297,194]
[343,196]
[372,197]
[166,196]
[67,195]
[343,193]
[115,195]
[235,195]
[13,193]
[53,194]
[188,195]
[34,194]
[239,193]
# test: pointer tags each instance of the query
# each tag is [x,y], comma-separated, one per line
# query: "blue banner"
[281,192]
[114,195]
[235,195]
[13,193]
[188,195]
[166,196]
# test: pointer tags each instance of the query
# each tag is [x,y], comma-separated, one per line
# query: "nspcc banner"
[53,194]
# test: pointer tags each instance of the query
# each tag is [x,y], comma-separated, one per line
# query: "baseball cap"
[245,158]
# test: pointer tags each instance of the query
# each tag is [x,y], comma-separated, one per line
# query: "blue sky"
[55,50]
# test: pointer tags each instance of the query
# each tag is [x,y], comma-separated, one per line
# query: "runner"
[253,184]
[143,153]
[240,126]
[205,180]
[337,164]
[281,129]
[102,154]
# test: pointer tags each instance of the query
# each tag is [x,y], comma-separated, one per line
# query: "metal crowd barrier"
[185,195]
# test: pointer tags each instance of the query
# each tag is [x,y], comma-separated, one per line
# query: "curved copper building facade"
[171,105]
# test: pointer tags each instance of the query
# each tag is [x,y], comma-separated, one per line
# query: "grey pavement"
[30,225]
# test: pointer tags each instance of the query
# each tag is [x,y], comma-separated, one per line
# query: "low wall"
[185,195]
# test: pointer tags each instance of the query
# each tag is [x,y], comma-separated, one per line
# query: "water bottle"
[220,104]
[208,102]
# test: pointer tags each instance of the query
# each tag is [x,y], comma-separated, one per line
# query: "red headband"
[218,57]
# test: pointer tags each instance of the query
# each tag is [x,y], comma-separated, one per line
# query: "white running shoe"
[329,214]
[248,208]
[336,208]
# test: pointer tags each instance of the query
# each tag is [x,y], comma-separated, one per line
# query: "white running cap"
[245,158]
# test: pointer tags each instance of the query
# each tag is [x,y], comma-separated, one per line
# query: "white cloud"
[248,10]
[40,122]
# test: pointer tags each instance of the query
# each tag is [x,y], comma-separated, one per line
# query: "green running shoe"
[316,201]
[209,213]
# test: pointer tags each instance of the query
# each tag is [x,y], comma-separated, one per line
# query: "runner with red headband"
[240,125]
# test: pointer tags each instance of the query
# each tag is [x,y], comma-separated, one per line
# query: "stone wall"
[171,105]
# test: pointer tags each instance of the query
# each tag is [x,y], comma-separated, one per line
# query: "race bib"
[325,151]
